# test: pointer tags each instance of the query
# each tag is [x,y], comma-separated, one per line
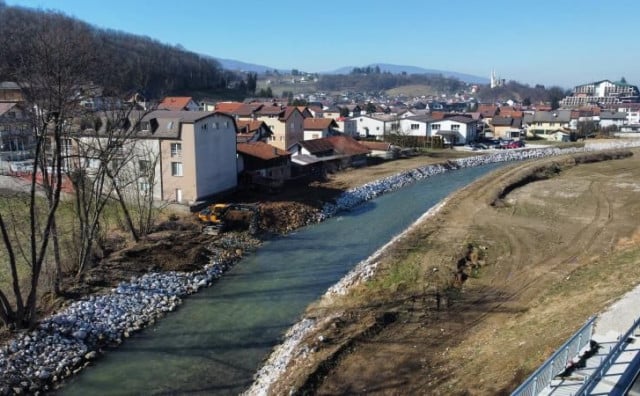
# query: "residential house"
[16,134]
[378,125]
[316,128]
[506,127]
[252,131]
[318,156]
[348,126]
[455,130]
[416,125]
[632,110]
[262,164]
[197,153]
[287,124]
[354,110]
[615,120]
[316,111]
[178,103]
[545,123]
[10,92]
[332,112]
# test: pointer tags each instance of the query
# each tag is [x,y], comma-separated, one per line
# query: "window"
[176,169]
[214,125]
[176,149]
[144,165]
[415,127]
[455,127]
[435,127]
[170,125]
[203,127]
[143,186]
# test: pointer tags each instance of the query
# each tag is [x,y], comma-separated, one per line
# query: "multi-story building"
[602,92]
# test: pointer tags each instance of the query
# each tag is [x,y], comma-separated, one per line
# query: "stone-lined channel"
[218,339]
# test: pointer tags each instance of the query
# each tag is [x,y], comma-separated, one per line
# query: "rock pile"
[64,343]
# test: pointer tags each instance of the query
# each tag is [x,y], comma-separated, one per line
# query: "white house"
[455,130]
[416,126]
[610,119]
[377,125]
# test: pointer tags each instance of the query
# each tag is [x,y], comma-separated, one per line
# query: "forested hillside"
[117,61]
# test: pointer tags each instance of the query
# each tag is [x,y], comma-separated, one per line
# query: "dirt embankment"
[540,247]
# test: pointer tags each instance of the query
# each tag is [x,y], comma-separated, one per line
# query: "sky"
[550,42]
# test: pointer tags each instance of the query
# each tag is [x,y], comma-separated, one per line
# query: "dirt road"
[551,253]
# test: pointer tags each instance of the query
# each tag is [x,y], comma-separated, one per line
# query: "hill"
[399,69]
[116,61]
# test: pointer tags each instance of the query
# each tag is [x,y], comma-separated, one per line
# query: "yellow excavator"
[218,217]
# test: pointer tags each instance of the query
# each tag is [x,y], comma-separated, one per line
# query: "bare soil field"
[530,262]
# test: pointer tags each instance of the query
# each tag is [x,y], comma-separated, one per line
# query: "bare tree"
[48,67]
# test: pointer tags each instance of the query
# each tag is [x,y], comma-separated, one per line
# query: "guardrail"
[614,353]
[541,378]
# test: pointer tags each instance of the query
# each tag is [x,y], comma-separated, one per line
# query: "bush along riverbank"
[64,343]
[292,348]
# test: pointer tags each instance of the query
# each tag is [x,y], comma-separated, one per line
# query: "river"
[216,341]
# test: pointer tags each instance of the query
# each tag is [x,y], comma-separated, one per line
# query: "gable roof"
[552,116]
[261,150]
[269,111]
[515,122]
[246,126]
[347,145]
[6,106]
[315,146]
[460,119]
[175,103]
[228,107]
[319,123]
[487,110]
[166,124]
[378,146]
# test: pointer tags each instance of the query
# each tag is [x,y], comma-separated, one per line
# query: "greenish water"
[219,337]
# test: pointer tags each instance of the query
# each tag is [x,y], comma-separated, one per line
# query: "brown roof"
[487,110]
[319,123]
[437,115]
[378,146]
[246,126]
[315,146]
[347,145]
[175,103]
[290,110]
[6,106]
[228,107]
[270,111]
[261,150]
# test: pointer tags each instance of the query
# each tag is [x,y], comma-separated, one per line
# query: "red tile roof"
[319,123]
[261,150]
[175,103]
[487,110]
[378,146]
[228,107]
[270,111]
[347,145]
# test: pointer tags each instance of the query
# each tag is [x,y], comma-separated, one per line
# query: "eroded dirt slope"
[554,252]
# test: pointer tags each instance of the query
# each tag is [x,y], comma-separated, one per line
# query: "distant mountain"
[236,65]
[397,69]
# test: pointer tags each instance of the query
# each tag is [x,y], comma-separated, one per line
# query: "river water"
[219,337]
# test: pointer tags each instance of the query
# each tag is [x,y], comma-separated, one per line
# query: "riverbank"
[309,352]
[72,340]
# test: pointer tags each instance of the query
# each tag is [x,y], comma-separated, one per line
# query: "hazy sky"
[560,42]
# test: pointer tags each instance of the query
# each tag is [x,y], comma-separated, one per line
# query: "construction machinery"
[220,217]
